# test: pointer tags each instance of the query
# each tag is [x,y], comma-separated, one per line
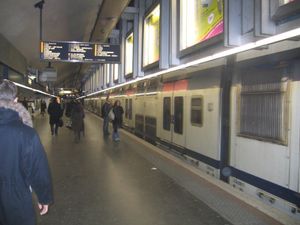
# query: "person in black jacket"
[23,163]
[118,120]
[55,113]
[43,107]
[104,113]
[77,117]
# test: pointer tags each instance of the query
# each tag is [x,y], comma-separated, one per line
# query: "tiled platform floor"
[98,181]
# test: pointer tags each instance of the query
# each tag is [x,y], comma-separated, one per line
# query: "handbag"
[111,115]
[60,122]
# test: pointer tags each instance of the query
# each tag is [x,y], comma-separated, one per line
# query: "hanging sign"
[79,52]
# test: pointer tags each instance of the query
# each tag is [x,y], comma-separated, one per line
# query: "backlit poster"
[200,20]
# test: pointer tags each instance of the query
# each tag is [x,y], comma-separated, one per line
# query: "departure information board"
[79,52]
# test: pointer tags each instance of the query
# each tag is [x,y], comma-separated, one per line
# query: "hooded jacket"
[23,164]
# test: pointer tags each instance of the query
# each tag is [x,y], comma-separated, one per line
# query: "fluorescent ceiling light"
[252,45]
[66,92]
[32,89]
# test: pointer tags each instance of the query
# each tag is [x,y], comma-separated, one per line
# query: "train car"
[235,120]
[265,123]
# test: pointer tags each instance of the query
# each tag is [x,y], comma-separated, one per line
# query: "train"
[236,119]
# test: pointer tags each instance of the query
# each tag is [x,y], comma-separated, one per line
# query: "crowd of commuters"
[23,163]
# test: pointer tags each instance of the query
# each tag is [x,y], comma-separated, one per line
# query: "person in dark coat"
[77,117]
[25,103]
[117,122]
[23,163]
[68,112]
[104,113]
[43,107]
[55,113]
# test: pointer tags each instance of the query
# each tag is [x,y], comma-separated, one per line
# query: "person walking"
[23,163]
[55,113]
[104,112]
[25,103]
[118,120]
[68,112]
[43,107]
[77,117]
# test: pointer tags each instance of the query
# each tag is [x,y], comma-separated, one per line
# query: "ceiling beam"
[108,16]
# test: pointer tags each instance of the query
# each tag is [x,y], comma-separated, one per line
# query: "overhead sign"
[79,52]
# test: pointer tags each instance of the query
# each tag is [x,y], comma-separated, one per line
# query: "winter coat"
[23,164]
[105,109]
[69,108]
[55,112]
[118,111]
[77,116]
[43,106]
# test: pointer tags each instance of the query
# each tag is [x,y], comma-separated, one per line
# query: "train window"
[197,111]
[199,21]
[151,37]
[263,104]
[167,113]
[178,115]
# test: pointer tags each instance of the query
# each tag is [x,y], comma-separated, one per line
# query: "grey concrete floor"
[98,181]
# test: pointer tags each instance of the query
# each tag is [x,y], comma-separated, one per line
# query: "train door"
[173,113]
[166,117]
[178,137]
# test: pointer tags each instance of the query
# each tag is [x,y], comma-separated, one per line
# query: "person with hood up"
[23,163]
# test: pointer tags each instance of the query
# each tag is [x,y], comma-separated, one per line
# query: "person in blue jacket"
[23,163]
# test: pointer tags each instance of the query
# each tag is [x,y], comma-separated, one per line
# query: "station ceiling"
[63,20]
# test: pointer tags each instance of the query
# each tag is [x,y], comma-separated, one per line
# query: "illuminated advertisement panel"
[107,73]
[283,2]
[200,20]
[129,54]
[116,72]
[151,37]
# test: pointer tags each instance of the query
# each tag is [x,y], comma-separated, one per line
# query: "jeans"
[116,136]
[54,129]
[105,125]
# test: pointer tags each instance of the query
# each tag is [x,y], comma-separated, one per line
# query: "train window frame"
[200,108]
[145,48]
[284,92]
[128,59]
[181,52]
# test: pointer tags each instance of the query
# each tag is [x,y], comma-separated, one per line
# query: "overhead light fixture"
[32,89]
[252,45]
